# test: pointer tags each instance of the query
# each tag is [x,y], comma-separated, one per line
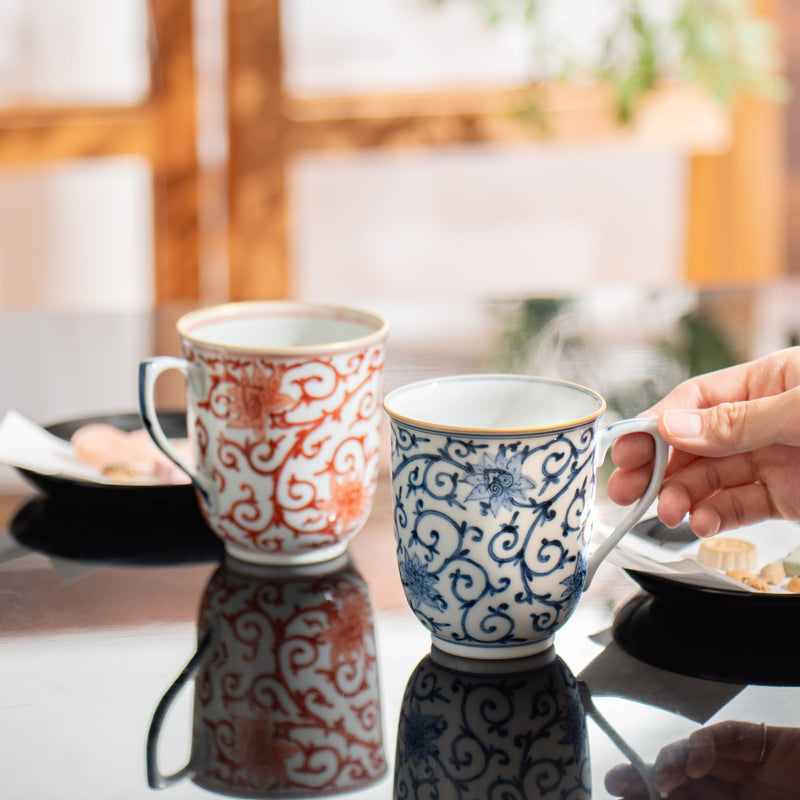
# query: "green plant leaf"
[725,48]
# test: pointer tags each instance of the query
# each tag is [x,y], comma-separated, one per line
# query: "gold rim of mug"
[432,426]
[231,310]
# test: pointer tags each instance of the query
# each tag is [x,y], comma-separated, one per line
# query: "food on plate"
[727,553]
[773,573]
[127,456]
[120,472]
[748,578]
[792,562]
[737,559]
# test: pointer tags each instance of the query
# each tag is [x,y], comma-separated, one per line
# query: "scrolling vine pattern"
[291,446]
[288,701]
[491,534]
[510,736]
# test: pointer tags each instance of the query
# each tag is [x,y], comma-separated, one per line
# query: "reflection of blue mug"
[493,481]
[286,700]
[501,729]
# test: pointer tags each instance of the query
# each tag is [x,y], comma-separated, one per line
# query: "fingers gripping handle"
[607,438]
[149,371]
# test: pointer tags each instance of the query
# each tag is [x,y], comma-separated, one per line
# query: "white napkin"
[773,539]
[27,445]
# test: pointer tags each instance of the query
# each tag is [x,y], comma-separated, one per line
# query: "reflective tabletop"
[137,660]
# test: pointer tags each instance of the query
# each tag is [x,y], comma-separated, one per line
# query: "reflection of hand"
[735,436]
[726,761]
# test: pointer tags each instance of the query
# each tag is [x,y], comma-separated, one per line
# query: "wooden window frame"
[161,129]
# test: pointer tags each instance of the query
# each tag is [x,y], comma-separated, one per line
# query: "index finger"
[771,375]
[633,451]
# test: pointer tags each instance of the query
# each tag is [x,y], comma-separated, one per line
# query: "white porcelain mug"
[283,414]
[493,482]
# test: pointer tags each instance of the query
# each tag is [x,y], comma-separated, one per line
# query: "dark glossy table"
[100,611]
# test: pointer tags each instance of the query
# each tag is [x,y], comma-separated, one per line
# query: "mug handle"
[607,437]
[149,370]
[156,779]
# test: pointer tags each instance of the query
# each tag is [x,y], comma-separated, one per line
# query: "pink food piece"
[167,472]
[105,447]
[98,444]
[139,446]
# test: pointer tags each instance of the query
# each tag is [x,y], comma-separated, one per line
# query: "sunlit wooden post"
[175,180]
[257,166]
[736,220]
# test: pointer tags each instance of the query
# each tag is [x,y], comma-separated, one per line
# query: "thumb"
[737,427]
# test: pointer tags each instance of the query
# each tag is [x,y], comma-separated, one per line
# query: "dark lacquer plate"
[159,534]
[719,636]
[76,491]
[734,602]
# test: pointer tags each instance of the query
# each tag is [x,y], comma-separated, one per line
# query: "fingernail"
[683,424]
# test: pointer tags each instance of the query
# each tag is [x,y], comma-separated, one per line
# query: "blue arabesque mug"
[493,482]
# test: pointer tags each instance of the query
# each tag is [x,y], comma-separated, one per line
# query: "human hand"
[735,437]
[726,761]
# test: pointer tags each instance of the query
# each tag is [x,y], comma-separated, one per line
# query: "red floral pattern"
[253,744]
[348,502]
[255,398]
[348,628]
[288,702]
[289,445]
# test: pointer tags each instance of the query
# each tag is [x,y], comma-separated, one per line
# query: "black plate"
[705,640]
[166,536]
[702,599]
[91,494]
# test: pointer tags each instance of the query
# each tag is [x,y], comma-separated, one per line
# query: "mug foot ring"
[493,652]
[316,556]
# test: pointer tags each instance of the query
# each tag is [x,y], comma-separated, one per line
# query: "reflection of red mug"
[286,699]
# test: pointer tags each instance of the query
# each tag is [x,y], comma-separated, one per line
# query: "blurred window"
[73,51]
[77,236]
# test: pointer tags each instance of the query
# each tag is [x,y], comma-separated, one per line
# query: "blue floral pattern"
[513,736]
[499,482]
[422,732]
[491,533]
[419,584]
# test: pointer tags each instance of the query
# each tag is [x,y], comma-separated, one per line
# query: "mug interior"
[279,326]
[494,403]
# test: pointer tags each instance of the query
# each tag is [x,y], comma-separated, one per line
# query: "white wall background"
[77,236]
[488,221]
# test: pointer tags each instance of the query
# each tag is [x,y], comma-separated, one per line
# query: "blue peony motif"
[573,583]
[573,727]
[419,584]
[499,482]
[421,734]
